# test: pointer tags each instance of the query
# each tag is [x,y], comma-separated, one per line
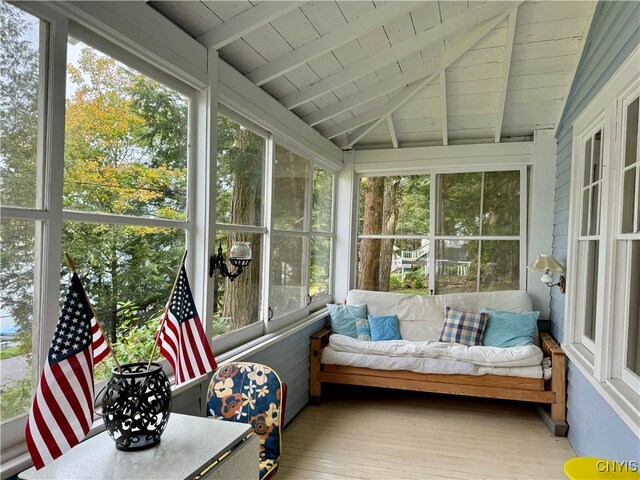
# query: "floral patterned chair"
[251,393]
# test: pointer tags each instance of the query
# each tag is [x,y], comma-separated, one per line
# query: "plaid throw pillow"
[463,327]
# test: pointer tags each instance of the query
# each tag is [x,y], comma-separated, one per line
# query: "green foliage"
[15,398]
[11,352]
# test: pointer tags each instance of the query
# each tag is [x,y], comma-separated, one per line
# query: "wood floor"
[368,433]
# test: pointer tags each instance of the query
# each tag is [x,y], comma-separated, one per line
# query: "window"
[240,218]
[473,242]
[603,310]
[22,202]
[125,194]
[301,238]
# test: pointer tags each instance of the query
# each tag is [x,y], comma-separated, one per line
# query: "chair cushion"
[510,329]
[463,327]
[384,327]
[363,330]
[343,318]
[249,393]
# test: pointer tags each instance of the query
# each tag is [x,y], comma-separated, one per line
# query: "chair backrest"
[250,393]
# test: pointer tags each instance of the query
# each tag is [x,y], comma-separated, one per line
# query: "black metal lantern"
[136,406]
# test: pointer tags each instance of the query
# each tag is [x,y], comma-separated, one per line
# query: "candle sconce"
[239,257]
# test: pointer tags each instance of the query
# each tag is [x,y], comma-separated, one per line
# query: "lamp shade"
[546,263]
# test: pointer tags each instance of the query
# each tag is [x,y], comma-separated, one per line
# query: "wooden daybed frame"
[551,392]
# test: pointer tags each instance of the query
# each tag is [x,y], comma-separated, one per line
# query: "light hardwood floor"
[368,433]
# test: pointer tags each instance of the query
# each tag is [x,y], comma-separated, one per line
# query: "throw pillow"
[343,318]
[463,327]
[363,330]
[510,329]
[384,327]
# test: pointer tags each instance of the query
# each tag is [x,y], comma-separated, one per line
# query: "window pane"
[322,208]
[594,221]
[587,163]
[320,267]
[394,265]
[17,242]
[125,140]
[19,78]
[633,330]
[628,200]
[237,303]
[584,229]
[500,265]
[631,134]
[288,291]
[589,251]
[460,204]
[456,266]
[501,203]
[241,161]
[128,272]
[596,165]
[290,183]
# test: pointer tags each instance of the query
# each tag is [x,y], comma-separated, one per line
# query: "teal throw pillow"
[384,327]
[510,329]
[343,318]
[363,330]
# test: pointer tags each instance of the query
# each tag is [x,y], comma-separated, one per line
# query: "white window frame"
[601,361]
[48,212]
[433,202]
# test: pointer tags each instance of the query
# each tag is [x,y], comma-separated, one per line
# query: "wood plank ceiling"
[401,74]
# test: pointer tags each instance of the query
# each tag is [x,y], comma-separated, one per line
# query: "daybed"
[420,319]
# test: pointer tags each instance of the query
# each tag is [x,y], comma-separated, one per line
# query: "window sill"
[622,400]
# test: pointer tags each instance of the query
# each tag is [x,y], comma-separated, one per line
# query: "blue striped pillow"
[460,326]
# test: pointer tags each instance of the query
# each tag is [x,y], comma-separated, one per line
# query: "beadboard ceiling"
[401,74]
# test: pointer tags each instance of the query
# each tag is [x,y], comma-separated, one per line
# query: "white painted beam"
[376,115]
[506,68]
[466,19]
[245,22]
[334,39]
[468,40]
[443,107]
[392,131]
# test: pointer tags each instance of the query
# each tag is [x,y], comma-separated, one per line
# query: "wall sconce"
[548,264]
[239,257]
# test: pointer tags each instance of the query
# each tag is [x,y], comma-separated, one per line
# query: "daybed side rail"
[318,340]
[558,375]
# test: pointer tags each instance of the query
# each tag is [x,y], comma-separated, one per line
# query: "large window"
[603,309]
[125,194]
[472,241]
[22,202]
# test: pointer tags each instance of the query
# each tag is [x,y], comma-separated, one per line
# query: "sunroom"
[302,153]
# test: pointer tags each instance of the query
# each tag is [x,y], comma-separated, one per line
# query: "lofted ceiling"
[398,74]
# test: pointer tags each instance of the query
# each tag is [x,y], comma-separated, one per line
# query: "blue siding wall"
[614,34]
[290,359]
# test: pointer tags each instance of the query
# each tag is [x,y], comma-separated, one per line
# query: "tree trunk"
[242,296]
[368,277]
[389,221]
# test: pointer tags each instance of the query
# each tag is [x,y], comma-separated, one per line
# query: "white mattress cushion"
[420,317]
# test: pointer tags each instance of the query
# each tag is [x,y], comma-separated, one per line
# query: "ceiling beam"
[245,23]
[451,55]
[392,131]
[466,19]
[443,107]
[332,40]
[506,68]
[408,92]
[468,40]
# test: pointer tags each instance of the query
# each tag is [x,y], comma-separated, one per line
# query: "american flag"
[182,339]
[62,410]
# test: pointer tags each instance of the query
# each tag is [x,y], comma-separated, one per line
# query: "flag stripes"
[62,411]
[181,337]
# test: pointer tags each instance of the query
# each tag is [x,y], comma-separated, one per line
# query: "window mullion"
[268,223]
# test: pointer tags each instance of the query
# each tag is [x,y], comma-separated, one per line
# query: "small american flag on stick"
[181,337]
[62,410]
